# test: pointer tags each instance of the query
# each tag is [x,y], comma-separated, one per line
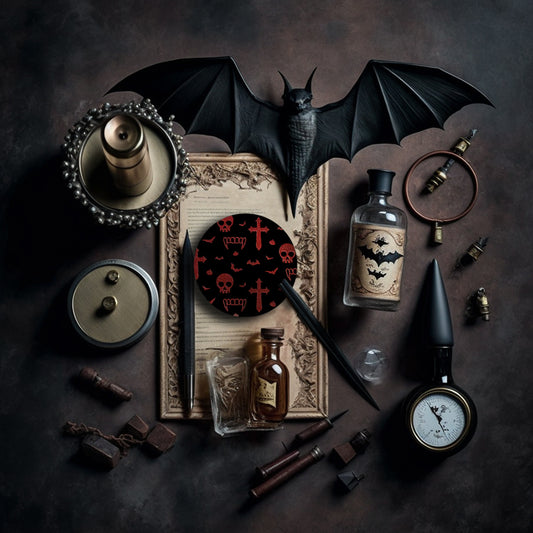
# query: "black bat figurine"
[389,101]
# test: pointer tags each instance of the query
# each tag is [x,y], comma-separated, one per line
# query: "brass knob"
[112,277]
[109,304]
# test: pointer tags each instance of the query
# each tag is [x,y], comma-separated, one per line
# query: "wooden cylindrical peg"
[91,377]
[287,473]
[277,464]
[313,431]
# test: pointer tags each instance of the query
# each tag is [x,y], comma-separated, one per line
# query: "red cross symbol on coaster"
[256,265]
[258,230]
[259,291]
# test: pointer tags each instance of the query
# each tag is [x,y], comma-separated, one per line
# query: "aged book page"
[223,185]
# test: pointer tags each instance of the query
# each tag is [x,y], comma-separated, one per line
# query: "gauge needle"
[438,417]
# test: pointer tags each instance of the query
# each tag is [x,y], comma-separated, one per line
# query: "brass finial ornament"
[477,248]
[441,174]
[473,253]
[125,164]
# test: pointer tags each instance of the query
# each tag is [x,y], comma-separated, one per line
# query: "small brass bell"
[478,305]
[436,233]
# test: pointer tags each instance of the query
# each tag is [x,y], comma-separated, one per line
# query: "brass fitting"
[441,174]
[482,303]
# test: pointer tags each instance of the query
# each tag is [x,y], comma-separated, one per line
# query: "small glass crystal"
[372,364]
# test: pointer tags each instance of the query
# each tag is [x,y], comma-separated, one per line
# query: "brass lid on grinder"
[113,303]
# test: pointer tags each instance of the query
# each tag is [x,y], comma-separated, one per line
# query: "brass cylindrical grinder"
[126,154]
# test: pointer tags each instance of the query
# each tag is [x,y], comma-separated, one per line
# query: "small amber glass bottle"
[270,380]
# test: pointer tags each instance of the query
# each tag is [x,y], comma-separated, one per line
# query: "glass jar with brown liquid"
[270,380]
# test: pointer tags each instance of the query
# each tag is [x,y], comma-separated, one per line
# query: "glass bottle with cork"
[377,248]
[270,380]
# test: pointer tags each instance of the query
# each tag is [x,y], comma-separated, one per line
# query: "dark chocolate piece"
[160,439]
[349,480]
[344,452]
[347,451]
[136,427]
[100,452]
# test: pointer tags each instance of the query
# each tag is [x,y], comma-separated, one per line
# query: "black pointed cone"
[439,330]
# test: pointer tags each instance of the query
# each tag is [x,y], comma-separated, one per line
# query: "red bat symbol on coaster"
[253,263]
[234,268]
[272,271]
[209,240]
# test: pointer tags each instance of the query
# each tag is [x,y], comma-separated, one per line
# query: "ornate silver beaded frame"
[82,163]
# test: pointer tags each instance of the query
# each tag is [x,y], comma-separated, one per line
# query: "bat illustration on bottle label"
[378,261]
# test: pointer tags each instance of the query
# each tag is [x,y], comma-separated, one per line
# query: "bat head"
[297,100]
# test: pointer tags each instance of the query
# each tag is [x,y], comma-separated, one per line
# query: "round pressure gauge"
[440,419]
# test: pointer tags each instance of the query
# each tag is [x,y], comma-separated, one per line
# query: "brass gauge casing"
[440,419]
[113,303]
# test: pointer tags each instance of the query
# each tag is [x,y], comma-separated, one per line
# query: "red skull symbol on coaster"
[240,262]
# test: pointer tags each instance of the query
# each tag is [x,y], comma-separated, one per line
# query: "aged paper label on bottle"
[377,261]
[266,392]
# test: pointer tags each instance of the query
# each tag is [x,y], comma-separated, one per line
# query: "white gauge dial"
[440,418]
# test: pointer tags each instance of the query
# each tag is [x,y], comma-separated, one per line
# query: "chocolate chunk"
[136,427]
[159,440]
[344,453]
[100,452]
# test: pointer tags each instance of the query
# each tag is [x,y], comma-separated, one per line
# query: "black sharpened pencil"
[188,322]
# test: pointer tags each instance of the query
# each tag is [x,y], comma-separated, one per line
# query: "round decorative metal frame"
[461,161]
[147,215]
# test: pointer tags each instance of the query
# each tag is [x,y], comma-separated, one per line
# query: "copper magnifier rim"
[464,163]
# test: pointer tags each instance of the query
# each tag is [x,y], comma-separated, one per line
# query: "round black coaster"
[240,262]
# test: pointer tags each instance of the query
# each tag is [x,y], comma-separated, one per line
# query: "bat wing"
[389,101]
[209,96]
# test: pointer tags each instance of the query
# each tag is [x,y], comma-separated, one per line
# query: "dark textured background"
[58,59]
